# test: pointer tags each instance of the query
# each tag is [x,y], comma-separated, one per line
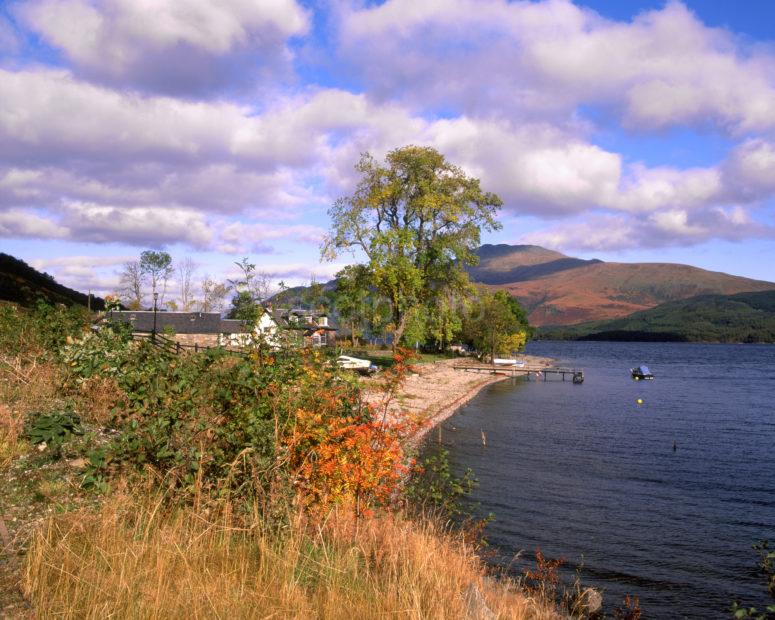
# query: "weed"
[53,429]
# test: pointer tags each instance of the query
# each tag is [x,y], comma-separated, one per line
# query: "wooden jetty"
[575,374]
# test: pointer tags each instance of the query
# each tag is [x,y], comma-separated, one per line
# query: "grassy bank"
[146,559]
[137,483]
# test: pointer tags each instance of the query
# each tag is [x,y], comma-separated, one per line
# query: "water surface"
[584,472]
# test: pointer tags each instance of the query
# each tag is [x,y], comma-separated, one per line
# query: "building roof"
[203,322]
[181,322]
[233,326]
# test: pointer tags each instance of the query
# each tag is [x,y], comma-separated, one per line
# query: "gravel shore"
[434,391]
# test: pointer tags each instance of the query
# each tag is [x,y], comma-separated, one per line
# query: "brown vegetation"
[142,558]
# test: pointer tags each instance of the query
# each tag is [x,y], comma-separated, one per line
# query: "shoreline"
[435,391]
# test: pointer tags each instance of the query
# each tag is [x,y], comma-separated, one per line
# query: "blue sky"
[217,129]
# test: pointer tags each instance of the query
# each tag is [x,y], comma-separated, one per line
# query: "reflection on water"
[662,500]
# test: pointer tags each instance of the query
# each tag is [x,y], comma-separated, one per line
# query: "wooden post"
[196,347]
[177,348]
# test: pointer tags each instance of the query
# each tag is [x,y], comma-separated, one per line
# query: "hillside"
[744,317]
[560,290]
[24,285]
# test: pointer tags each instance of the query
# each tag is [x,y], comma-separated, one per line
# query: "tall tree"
[417,219]
[251,288]
[493,326]
[132,280]
[213,294]
[313,296]
[157,266]
[352,291]
[186,271]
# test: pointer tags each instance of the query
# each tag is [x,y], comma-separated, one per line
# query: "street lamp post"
[155,299]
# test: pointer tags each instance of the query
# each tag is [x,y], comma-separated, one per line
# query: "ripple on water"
[585,473]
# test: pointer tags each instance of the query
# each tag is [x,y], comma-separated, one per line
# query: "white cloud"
[192,47]
[750,170]
[519,59]
[16,223]
[140,225]
[239,237]
[664,228]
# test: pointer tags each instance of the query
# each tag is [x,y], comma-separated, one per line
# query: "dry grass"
[11,427]
[97,399]
[141,559]
[26,384]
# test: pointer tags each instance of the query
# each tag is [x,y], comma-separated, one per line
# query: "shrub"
[53,429]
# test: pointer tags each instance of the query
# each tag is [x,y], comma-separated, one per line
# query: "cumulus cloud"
[96,223]
[25,225]
[239,237]
[96,273]
[523,59]
[652,230]
[494,85]
[196,47]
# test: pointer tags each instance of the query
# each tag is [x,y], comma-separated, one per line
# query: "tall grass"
[145,559]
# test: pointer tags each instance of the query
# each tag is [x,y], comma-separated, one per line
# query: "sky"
[636,131]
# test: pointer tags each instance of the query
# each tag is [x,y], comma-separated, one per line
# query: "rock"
[42,447]
[476,605]
[591,601]
[77,463]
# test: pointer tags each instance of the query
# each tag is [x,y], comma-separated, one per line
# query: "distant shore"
[435,391]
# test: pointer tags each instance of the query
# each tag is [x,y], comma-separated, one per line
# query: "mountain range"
[556,289]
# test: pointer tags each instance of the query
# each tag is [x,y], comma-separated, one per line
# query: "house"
[313,329]
[208,329]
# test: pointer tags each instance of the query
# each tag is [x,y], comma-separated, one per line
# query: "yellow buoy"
[639,401]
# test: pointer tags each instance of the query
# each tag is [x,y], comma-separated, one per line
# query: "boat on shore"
[361,366]
[641,372]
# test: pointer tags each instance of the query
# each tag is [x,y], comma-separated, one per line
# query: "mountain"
[556,289]
[744,317]
[505,264]
[24,285]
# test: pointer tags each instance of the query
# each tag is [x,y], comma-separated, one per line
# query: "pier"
[556,372]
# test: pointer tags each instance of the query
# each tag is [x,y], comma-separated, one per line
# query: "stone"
[476,605]
[591,601]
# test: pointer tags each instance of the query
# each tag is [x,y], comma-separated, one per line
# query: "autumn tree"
[417,219]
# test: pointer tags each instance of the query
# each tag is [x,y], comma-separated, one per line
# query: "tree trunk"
[399,331]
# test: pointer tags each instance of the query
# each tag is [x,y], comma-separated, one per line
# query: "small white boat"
[365,367]
[504,361]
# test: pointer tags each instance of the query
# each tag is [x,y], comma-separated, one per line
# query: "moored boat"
[641,372]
